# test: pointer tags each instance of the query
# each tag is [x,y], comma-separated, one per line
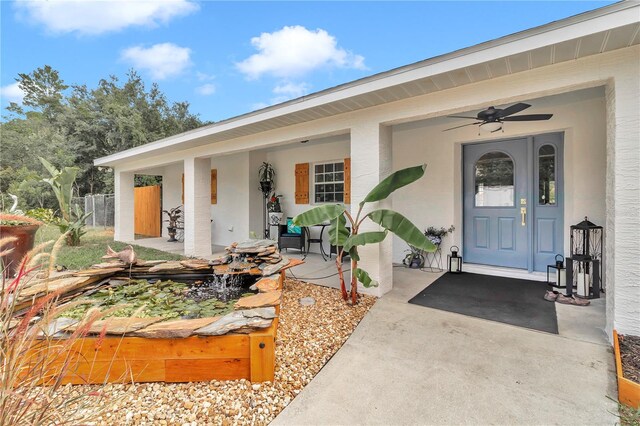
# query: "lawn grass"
[93,246]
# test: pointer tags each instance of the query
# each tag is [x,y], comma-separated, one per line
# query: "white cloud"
[284,91]
[291,90]
[204,77]
[295,51]
[97,17]
[12,93]
[160,60]
[206,89]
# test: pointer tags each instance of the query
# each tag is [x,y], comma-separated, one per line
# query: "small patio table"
[318,240]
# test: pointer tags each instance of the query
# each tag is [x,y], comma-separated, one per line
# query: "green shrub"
[42,214]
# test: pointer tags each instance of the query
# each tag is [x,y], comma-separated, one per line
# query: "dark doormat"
[508,300]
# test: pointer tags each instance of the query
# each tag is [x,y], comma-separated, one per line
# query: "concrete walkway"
[407,364]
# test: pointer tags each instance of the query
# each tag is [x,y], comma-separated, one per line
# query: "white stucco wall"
[284,160]
[436,200]
[617,70]
[171,190]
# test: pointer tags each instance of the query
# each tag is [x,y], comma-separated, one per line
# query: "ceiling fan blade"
[461,116]
[513,109]
[464,125]
[530,117]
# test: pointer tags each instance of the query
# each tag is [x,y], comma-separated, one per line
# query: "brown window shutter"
[302,183]
[214,186]
[347,180]
[183,188]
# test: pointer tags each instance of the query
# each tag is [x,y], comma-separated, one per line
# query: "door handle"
[523,215]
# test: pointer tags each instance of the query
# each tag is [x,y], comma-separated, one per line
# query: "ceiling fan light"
[491,126]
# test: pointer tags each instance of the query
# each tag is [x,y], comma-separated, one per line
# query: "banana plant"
[61,182]
[348,238]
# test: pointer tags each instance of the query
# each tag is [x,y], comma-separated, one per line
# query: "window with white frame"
[328,182]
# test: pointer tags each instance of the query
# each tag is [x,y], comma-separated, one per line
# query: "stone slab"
[259,300]
[174,329]
[118,325]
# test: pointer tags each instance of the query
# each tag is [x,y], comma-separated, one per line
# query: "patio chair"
[293,237]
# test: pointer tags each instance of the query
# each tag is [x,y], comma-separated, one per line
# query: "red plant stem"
[343,286]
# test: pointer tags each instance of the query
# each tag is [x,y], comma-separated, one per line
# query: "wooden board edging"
[628,390]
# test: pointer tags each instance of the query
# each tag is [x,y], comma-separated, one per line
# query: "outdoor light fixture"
[491,126]
[584,267]
[454,260]
[560,283]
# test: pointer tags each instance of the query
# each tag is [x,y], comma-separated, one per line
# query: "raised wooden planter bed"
[118,359]
[628,391]
[126,359]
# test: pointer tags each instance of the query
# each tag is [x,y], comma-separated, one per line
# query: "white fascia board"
[603,19]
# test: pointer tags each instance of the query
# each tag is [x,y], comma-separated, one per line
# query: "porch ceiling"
[561,41]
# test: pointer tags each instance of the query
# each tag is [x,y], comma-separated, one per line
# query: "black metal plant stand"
[433,261]
[266,187]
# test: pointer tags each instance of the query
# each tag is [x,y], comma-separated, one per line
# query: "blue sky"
[228,58]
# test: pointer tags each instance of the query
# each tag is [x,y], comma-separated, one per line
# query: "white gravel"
[307,338]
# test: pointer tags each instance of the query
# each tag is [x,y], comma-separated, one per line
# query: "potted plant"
[436,235]
[174,217]
[414,258]
[23,229]
[275,210]
[267,176]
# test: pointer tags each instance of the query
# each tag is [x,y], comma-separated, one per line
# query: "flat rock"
[238,321]
[271,298]
[173,265]
[267,284]
[253,244]
[195,264]
[220,260]
[57,327]
[270,269]
[266,313]
[97,271]
[108,265]
[118,325]
[174,329]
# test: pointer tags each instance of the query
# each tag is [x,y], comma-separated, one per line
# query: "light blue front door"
[513,202]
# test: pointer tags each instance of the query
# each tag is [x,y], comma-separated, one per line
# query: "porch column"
[371,162]
[622,273]
[197,207]
[124,209]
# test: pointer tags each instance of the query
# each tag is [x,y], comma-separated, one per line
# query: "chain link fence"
[102,206]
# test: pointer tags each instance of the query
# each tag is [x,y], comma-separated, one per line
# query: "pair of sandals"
[554,296]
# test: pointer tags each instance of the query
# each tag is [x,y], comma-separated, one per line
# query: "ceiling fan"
[491,118]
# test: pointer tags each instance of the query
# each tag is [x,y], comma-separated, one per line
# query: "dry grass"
[32,360]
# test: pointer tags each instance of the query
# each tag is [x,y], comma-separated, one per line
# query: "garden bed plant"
[166,299]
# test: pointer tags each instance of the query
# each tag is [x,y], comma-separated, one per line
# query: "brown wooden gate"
[147,211]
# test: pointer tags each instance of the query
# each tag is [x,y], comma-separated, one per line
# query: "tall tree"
[73,127]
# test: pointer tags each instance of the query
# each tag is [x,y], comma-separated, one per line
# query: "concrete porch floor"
[407,364]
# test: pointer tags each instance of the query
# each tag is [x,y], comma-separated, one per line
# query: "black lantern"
[556,276]
[454,260]
[584,267]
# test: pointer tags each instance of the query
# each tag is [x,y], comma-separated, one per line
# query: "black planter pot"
[266,186]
